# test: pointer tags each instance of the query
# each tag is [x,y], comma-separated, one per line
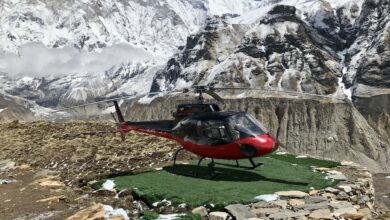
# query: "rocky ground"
[43,160]
[81,151]
[45,168]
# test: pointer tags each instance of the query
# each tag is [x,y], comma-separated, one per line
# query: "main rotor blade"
[274,90]
[215,96]
[126,97]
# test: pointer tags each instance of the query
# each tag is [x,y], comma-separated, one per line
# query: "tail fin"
[118,112]
[120,121]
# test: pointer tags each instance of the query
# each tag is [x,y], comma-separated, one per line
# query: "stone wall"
[352,198]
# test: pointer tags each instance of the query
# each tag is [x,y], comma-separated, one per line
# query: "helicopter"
[207,131]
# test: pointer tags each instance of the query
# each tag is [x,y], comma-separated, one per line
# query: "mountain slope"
[280,51]
[93,49]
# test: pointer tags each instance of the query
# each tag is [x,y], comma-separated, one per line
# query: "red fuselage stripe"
[264,144]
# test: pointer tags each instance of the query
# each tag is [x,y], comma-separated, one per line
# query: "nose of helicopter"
[258,146]
[266,144]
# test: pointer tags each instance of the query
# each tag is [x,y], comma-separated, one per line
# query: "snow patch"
[267,197]
[162,202]
[108,185]
[169,216]
[2,109]
[281,153]
[109,211]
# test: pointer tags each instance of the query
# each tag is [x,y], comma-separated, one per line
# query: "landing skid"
[254,164]
[211,166]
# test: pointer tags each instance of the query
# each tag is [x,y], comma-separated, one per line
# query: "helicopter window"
[188,130]
[213,132]
[244,125]
[215,108]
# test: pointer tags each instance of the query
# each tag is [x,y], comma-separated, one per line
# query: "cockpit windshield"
[245,125]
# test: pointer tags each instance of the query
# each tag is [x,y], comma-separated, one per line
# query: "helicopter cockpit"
[218,128]
[244,125]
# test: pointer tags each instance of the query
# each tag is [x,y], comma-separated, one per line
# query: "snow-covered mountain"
[95,48]
[283,45]
[62,53]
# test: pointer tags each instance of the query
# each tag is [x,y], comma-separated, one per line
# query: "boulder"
[345,188]
[331,190]
[352,216]
[95,212]
[280,203]
[321,214]
[239,211]
[366,212]
[353,198]
[218,215]
[315,199]
[329,196]
[292,194]
[342,196]
[340,205]
[202,211]
[314,206]
[296,202]
[263,212]
[364,199]
[287,214]
[341,211]
[263,204]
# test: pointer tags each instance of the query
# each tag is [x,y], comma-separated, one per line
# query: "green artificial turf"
[233,185]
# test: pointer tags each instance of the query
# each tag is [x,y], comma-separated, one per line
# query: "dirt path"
[54,161]
[24,197]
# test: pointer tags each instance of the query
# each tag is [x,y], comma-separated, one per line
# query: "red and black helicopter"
[207,131]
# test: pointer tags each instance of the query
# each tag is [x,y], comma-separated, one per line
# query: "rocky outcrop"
[321,128]
[280,51]
[368,67]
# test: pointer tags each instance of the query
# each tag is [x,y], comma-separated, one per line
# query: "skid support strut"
[211,166]
[254,164]
[174,159]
